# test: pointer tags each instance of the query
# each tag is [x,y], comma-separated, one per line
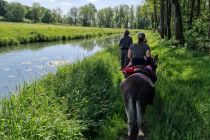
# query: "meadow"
[22,33]
[83,101]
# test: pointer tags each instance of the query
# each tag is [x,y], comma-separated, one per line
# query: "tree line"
[122,16]
[188,21]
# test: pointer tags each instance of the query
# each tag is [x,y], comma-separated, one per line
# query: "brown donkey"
[138,92]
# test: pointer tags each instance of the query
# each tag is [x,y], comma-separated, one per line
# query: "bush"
[197,37]
[2,18]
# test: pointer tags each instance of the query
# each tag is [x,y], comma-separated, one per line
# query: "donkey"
[138,91]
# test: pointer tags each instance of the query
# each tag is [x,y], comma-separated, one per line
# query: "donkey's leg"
[130,115]
[139,118]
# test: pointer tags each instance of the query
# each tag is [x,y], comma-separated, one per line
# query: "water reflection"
[25,63]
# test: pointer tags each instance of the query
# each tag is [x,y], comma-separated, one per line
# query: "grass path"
[182,104]
[181,109]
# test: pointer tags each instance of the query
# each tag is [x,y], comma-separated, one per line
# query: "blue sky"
[65,5]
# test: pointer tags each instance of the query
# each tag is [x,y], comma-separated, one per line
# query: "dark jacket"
[125,42]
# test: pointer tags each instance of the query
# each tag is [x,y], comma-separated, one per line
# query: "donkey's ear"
[156,58]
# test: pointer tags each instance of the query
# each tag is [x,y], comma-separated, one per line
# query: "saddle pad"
[143,76]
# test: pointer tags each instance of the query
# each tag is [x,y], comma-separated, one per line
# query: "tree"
[87,14]
[117,17]
[191,13]
[47,16]
[101,18]
[155,15]
[15,12]
[108,14]
[124,15]
[198,7]
[138,17]
[177,20]
[36,12]
[28,13]
[162,31]
[3,8]
[132,18]
[57,15]
[209,20]
[168,19]
[73,16]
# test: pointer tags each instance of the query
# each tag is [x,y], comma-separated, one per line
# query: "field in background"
[22,33]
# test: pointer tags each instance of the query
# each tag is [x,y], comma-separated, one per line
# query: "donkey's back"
[137,92]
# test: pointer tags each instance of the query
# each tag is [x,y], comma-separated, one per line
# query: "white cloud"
[10,0]
[66,3]
[93,1]
[44,0]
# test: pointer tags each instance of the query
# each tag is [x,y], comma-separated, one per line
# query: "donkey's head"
[152,62]
[155,62]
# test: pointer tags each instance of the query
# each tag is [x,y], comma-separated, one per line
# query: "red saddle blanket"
[147,70]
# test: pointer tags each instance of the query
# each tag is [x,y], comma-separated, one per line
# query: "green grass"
[71,104]
[22,33]
[181,109]
[83,101]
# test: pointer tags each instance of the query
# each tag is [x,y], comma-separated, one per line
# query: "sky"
[65,5]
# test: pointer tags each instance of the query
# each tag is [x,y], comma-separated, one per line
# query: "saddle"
[146,70]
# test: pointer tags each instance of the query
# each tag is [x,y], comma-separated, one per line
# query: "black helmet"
[126,32]
[141,35]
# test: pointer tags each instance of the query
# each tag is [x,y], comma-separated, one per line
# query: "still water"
[26,63]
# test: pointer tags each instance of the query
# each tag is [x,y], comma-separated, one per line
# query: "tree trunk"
[168,19]
[184,7]
[162,31]
[177,21]
[155,16]
[153,24]
[191,13]
[165,18]
[198,8]
[209,19]
[204,5]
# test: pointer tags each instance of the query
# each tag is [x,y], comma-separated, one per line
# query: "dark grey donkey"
[138,92]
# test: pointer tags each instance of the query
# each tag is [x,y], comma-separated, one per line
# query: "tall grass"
[71,104]
[181,110]
[22,33]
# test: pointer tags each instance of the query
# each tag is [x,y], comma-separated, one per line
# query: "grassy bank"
[70,104]
[22,33]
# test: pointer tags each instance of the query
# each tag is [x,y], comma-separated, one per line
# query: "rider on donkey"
[138,53]
[140,58]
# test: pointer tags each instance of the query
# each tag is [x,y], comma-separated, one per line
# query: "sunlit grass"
[21,33]
[181,108]
[180,111]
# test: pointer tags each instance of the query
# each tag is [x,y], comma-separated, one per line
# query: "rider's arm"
[129,55]
[120,42]
[148,53]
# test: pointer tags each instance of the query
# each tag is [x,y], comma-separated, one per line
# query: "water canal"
[25,63]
